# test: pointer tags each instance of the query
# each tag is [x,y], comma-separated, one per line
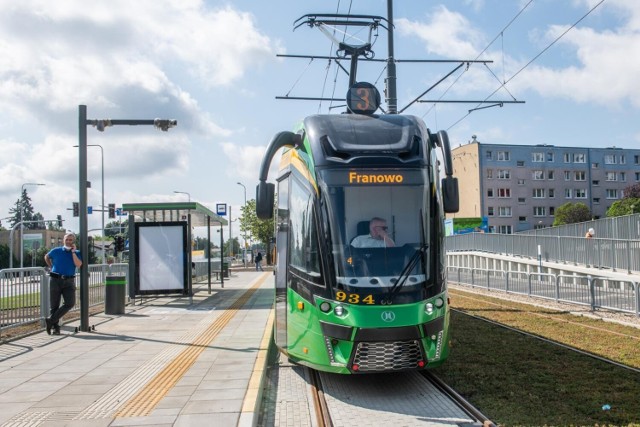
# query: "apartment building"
[518,187]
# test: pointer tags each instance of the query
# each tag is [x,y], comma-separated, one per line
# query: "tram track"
[404,398]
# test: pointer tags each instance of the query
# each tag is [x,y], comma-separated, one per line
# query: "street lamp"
[244,237]
[100,124]
[103,205]
[184,192]
[21,224]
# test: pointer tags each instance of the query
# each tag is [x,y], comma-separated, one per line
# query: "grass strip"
[518,380]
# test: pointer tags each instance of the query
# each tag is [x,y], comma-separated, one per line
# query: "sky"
[213,66]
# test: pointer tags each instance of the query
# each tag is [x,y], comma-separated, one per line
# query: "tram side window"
[303,235]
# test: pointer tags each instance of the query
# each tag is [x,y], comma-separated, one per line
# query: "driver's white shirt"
[368,242]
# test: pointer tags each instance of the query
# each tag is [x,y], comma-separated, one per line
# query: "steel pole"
[84,241]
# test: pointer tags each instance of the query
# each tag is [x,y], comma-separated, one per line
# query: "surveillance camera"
[100,125]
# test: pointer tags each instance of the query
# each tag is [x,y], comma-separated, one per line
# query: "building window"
[538,193]
[520,163]
[489,155]
[610,159]
[567,193]
[503,156]
[566,157]
[579,158]
[521,181]
[552,193]
[594,165]
[504,193]
[489,210]
[637,176]
[537,157]
[489,173]
[612,194]
[623,177]
[580,193]
[636,159]
[522,218]
[538,175]
[596,200]
[550,175]
[522,200]
[595,182]
[504,211]
[504,174]
[504,229]
[552,211]
[567,175]
[550,157]
[580,176]
[489,192]
[539,211]
[623,159]
[611,176]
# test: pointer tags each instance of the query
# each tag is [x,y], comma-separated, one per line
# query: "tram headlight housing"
[439,302]
[340,311]
[325,307]
[428,308]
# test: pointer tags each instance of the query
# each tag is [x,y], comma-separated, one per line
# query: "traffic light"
[112,210]
[60,221]
[119,243]
[76,209]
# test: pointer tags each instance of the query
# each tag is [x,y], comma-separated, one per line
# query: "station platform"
[165,362]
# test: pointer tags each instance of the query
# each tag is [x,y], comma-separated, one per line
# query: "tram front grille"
[387,355]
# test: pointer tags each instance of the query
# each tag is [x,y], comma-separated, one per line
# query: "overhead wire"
[500,34]
[503,84]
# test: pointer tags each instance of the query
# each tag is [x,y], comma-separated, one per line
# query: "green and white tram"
[348,308]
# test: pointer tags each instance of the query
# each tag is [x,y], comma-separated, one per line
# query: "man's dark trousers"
[65,288]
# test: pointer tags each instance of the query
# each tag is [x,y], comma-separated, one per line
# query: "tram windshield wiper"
[406,272]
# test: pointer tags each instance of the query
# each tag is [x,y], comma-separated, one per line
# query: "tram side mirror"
[450,196]
[264,200]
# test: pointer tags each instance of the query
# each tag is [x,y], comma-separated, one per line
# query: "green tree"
[4,257]
[626,206]
[632,191]
[261,230]
[232,247]
[28,214]
[570,213]
[113,228]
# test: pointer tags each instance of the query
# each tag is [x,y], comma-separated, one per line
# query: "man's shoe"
[56,329]
[49,325]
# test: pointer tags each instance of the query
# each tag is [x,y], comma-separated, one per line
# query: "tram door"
[282,245]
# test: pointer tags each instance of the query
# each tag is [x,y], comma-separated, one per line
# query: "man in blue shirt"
[62,262]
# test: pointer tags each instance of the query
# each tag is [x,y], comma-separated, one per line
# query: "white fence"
[595,292]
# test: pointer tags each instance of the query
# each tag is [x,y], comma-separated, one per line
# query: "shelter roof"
[174,211]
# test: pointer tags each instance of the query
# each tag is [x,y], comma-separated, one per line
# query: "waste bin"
[225,269]
[115,292]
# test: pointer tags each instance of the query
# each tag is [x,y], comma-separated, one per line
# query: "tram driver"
[377,237]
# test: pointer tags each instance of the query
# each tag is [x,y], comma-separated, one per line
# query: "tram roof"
[174,211]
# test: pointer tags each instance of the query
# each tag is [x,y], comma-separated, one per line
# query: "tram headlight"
[340,311]
[325,307]
[439,302]
[428,308]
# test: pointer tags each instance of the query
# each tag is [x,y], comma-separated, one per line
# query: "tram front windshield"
[380,234]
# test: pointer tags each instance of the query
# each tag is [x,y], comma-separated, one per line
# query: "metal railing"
[595,292]
[24,293]
[614,254]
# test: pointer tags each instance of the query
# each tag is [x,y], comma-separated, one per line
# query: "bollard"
[115,291]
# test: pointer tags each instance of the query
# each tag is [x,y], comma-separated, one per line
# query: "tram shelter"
[159,244]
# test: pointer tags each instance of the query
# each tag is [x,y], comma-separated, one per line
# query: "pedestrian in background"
[258,261]
[62,262]
[590,233]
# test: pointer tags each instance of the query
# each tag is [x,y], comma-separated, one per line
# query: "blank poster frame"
[161,258]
